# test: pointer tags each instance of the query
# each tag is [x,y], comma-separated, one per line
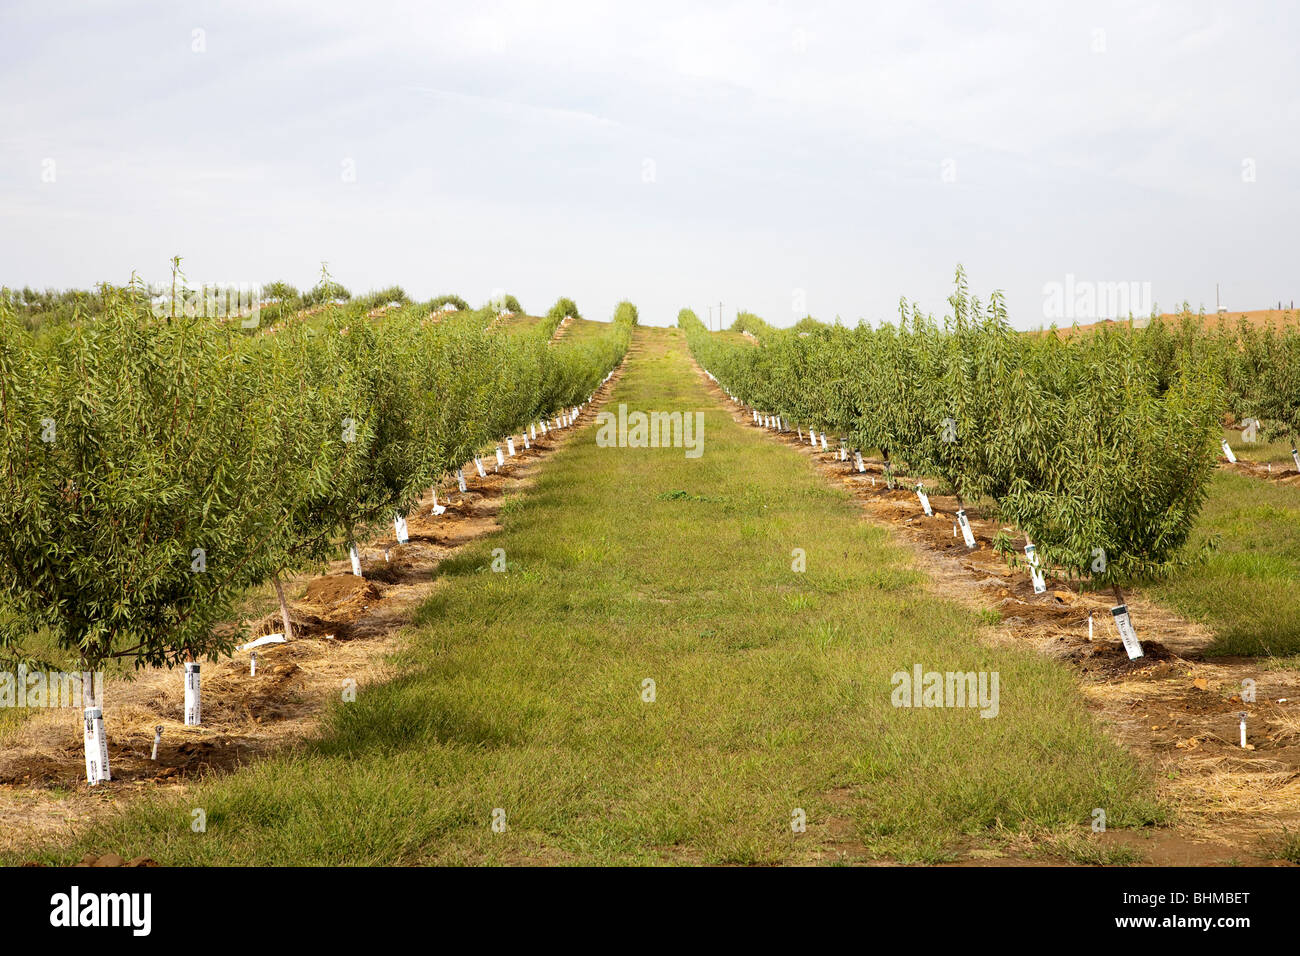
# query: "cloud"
[676,154]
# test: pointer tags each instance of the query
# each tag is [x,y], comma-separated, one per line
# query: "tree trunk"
[87,685]
[284,607]
[1119,595]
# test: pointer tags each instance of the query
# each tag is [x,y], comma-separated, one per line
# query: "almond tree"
[136,454]
[1273,392]
[1129,462]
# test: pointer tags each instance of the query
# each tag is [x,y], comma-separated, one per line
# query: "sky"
[781,158]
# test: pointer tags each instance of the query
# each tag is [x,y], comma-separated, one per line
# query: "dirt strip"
[345,629]
[1175,708]
[1282,473]
[562,329]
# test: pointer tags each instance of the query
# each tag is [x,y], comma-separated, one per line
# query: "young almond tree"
[905,415]
[134,462]
[382,450]
[1115,497]
[978,353]
[1273,394]
[317,378]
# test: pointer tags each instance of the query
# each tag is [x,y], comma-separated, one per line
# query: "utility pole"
[719,316]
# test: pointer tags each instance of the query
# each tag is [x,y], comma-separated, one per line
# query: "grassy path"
[524,690]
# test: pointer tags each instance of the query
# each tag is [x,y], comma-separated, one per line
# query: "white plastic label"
[501,459]
[399,529]
[925,501]
[1035,574]
[96,747]
[858,462]
[437,508]
[1295,457]
[844,453]
[262,642]
[356,560]
[510,447]
[824,441]
[193,708]
[460,479]
[812,438]
[479,465]
[1227,452]
[964,523]
[526,442]
[1124,624]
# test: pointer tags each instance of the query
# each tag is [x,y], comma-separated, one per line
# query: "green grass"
[584,330]
[1278,452]
[1245,590]
[1288,846]
[523,690]
[734,338]
[517,322]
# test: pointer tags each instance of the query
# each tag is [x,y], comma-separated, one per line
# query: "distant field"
[1275,318]
[518,321]
[583,330]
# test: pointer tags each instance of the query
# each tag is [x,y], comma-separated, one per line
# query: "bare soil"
[1283,474]
[562,329]
[1256,318]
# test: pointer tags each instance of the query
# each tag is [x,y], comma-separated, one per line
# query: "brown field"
[1274,318]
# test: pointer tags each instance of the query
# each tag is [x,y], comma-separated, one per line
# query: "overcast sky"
[779,157]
